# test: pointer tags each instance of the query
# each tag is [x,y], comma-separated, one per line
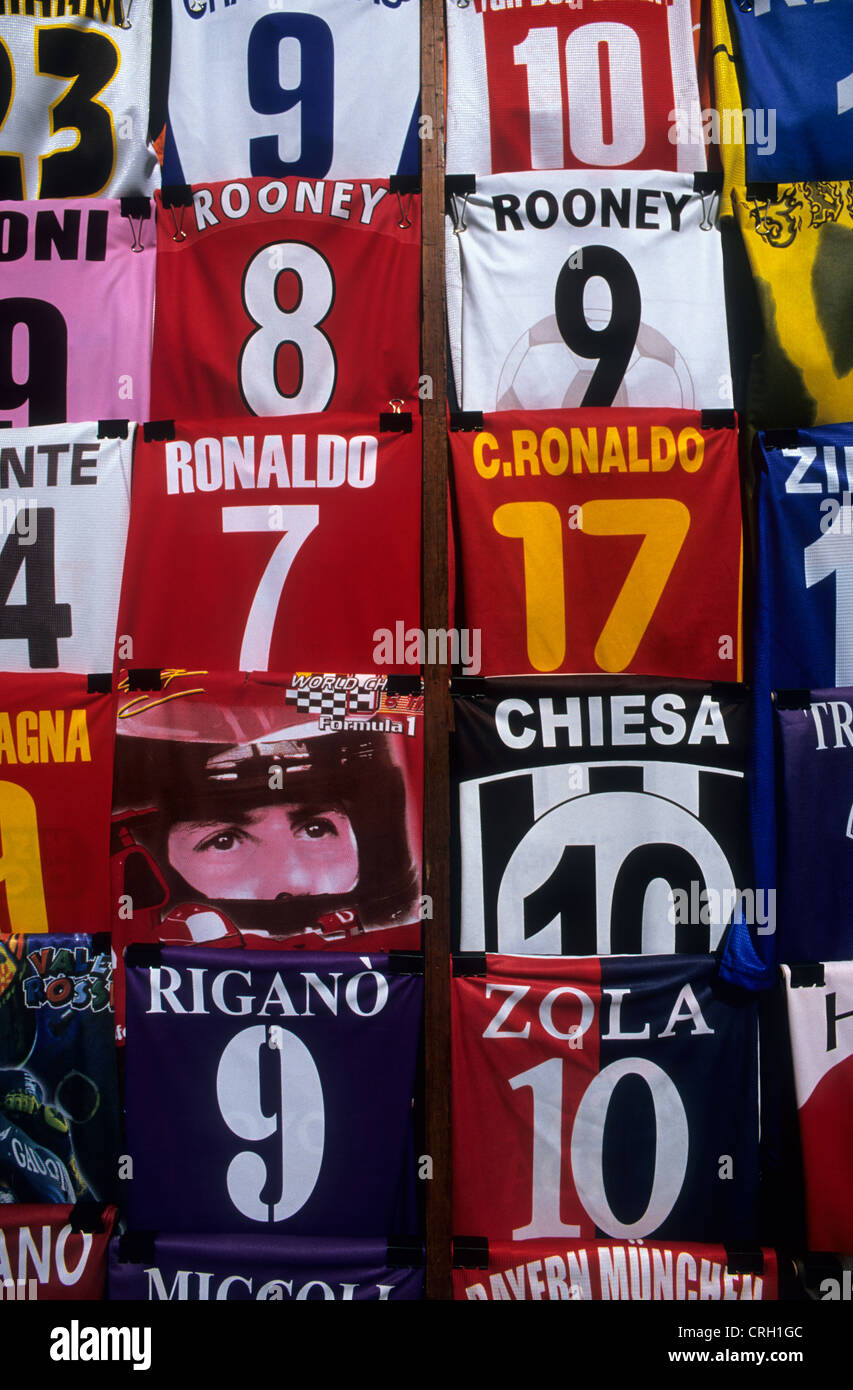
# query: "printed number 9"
[612,345]
[309,138]
[298,1121]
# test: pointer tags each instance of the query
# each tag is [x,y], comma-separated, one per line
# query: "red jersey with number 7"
[293,545]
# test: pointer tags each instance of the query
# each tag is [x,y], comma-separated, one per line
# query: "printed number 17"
[663,522]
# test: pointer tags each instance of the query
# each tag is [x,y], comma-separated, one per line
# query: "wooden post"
[435,615]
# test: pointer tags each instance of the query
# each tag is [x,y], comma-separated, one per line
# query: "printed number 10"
[604,90]
[663,523]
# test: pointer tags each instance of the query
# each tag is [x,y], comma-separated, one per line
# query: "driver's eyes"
[223,840]
[316,828]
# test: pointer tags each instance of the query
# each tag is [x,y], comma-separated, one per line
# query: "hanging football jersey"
[280,807]
[815,812]
[599,817]
[727,109]
[584,542]
[796,79]
[596,87]
[604,1109]
[287,297]
[64,501]
[587,289]
[334,1037]
[54,1252]
[59,1120]
[76,304]
[56,767]
[290,548]
[200,1268]
[799,238]
[74,99]
[801,638]
[805,550]
[313,87]
[820,1008]
[644,1270]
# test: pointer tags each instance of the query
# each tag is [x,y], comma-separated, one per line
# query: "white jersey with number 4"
[277,87]
[64,507]
[572,289]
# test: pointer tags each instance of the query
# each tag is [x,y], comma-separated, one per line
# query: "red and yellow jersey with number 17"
[600,541]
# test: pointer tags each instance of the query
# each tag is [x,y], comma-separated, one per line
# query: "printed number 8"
[299,327]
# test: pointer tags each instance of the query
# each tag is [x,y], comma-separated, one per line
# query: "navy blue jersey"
[271,1092]
[815,810]
[797,88]
[803,627]
[200,1268]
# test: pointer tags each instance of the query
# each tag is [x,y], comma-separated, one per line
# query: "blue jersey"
[803,632]
[815,817]
[292,1097]
[796,79]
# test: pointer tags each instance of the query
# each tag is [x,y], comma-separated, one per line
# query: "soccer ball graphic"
[541,372]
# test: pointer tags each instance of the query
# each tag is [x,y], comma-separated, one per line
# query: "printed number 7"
[297,523]
[662,521]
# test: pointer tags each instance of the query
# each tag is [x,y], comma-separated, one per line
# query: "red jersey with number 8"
[285,297]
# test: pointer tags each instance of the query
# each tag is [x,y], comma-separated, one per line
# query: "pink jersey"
[75,310]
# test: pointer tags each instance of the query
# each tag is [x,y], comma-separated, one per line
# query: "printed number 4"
[663,522]
[297,523]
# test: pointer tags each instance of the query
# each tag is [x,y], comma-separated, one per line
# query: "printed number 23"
[663,522]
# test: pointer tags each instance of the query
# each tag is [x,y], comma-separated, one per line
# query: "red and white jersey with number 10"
[594,86]
[286,297]
[588,289]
